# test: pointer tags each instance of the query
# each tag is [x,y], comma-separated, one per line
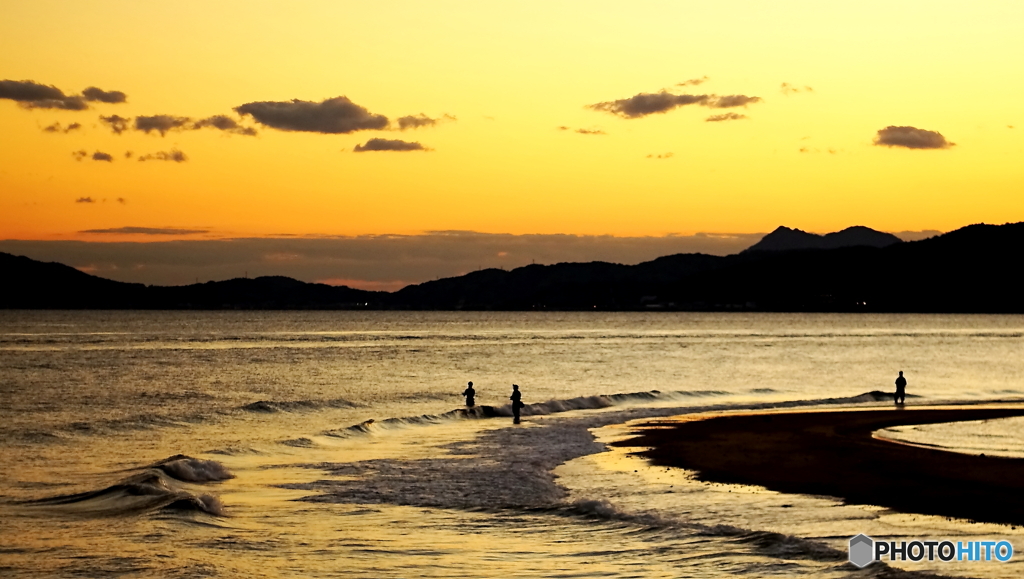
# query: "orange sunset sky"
[129,123]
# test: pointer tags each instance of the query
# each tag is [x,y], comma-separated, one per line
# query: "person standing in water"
[517,403]
[901,389]
[470,395]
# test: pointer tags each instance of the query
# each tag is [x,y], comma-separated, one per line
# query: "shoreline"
[833,453]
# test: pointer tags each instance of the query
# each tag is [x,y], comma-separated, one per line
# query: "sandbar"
[833,453]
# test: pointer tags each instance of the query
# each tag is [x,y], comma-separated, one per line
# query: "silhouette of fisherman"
[517,403]
[470,395]
[901,389]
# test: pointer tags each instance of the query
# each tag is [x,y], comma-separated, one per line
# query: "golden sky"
[503,90]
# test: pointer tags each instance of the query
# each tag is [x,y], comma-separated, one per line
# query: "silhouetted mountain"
[34,284]
[968,270]
[786,239]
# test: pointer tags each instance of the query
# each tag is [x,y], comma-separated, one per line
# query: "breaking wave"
[271,406]
[150,489]
[596,402]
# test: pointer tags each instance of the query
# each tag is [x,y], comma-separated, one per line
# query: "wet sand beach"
[834,453]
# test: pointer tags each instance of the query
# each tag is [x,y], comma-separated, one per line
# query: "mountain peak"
[787,239]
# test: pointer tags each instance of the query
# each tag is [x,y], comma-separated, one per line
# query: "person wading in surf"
[901,389]
[470,395]
[517,403]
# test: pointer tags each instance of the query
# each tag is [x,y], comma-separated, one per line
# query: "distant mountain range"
[855,270]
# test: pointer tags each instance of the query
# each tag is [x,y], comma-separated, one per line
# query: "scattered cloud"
[694,81]
[172,155]
[84,200]
[644,104]
[830,150]
[128,154]
[122,200]
[788,89]
[101,156]
[57,128]
[731,101]
[389,145]
[668,155]
[224,123]
[28,91]
[33,95]
[99,95]
[79,155]
[118,124]
[911,138]
[331,116]
[146,230]
[160,123]
[164,124]
[725,117]
[421,120]
[583,131]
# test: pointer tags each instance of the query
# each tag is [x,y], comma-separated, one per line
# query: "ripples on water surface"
[234,444]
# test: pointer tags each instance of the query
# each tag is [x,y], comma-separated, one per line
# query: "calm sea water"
[283,474]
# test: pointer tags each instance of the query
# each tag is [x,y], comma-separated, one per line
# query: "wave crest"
[152,488]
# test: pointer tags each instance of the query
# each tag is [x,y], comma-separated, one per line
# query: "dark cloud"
[28,91]
[101,156]
[372,261]
[79,155]
[122,200]
[161,123]
[172,155]
[911,138]
[128,154]
[725,117]
[645,104]
[331,116]
[146,230]
[694,81]
[788,89]
[99,95]
[70,103]
[84,200]
[668,155]
[116,123]
[730,101]
[416,121]
[224,123]
[389,145]
[57,128]
[33,95]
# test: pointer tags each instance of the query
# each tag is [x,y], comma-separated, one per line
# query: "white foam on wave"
[512,468]
[190,469]
[150,488]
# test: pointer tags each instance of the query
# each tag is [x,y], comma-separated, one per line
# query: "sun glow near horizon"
[526,120]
